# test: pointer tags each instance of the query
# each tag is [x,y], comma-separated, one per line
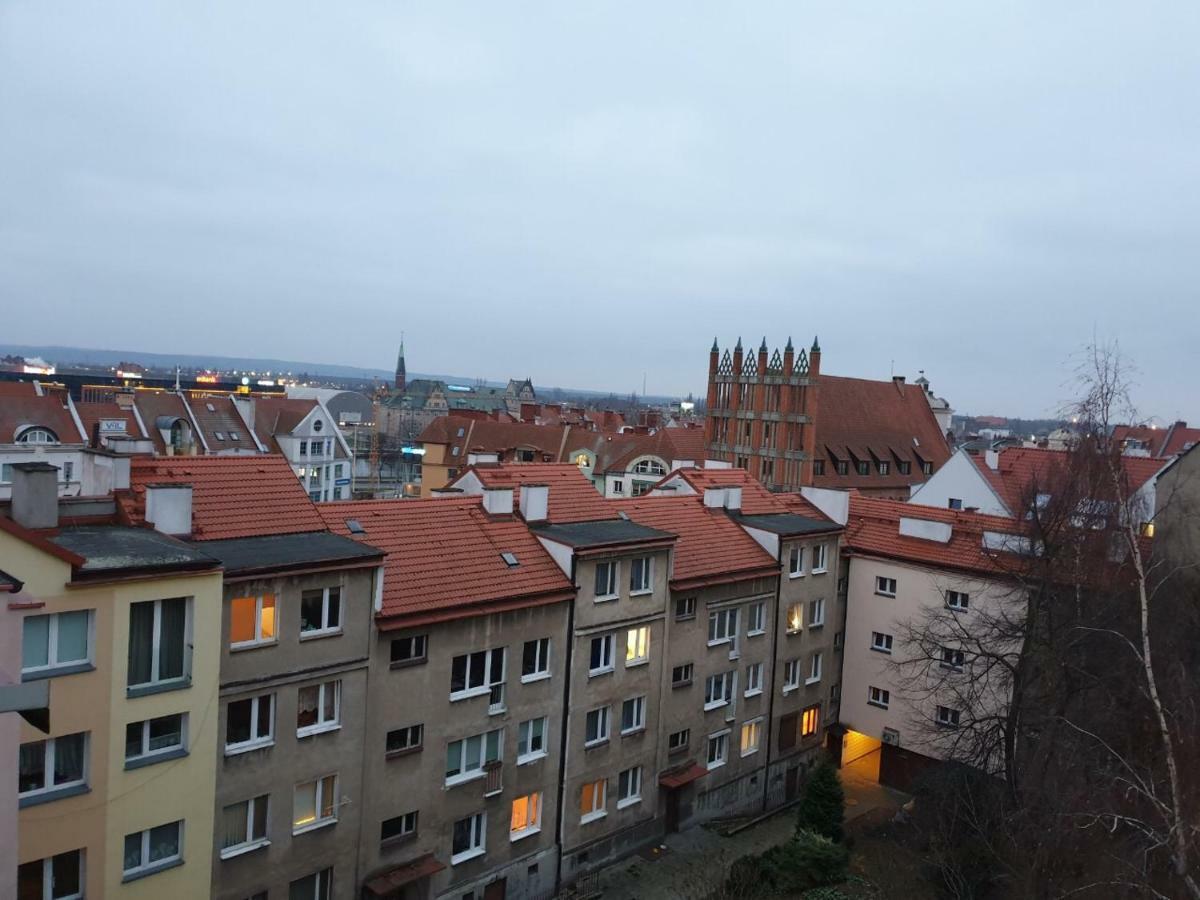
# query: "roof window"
[210,407]
[355,526]
[510,559]
[219,435]
[234,436]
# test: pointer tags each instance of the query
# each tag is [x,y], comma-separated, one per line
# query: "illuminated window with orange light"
[795,618]
[637,646]
[252,621]
[592,801]
[526,816]
[810,721]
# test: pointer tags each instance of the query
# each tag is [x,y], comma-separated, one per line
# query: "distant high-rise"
[400,374]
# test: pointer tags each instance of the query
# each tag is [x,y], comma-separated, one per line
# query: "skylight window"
[510,559]
[355,526]
[210,407]
[235,436]
[219,435]
[624,515]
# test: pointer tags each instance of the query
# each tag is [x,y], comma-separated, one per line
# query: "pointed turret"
[401,378]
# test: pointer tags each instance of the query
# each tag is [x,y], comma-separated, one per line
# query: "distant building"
[1160,443]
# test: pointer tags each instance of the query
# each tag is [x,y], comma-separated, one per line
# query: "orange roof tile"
[91,412]
[279,415]
[19,411]
[756,499]
[232,496]
[443,556]
[572,497]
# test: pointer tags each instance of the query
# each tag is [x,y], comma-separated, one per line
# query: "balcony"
[493,783]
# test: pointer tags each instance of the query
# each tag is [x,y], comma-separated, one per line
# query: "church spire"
[400,374]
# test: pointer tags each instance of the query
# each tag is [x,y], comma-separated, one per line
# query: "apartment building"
[307,434]
[468,674]
[116,799]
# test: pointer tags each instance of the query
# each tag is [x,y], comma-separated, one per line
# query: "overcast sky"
[585,192]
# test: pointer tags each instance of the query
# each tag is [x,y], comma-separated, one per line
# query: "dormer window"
[37,435]
[904,467]
[649,467]
[863,468]
[843,467]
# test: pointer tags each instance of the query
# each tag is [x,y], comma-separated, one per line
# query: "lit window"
[754,678]
[791,675]
[526,816]
[318,886]
[592,801]
[252,620]
[405,740]
[878,697]
[466,758]
[633,715]
[637,646]
[158,642]
[58,877]
[398,828]
[629,787]
[153,849]
[58,641]
[606,580]
[48,769]
[810,721]
[751,734]
[718,749]
[531,740]
[681,675]
[957,600]
[947,717]
[677,741]
[154,739]
[244,826]
[582,460]
[314,803]
[639,576]
[535,660]
[596,727]
[601,658]
[816,613]
[885,587]
[685,608]
[796,562]
[475,673]
[249,723]
[318,708]
[321,611]
[755,616]
[819,553]
[408,651]
[881,642]
[795,618]
[719,689]
[722,626]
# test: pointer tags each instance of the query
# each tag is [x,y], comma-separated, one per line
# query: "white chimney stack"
[498,501]
[483,458]
[992,458]
[733,498]
[535,502]
[169,508]
[714,497]
[35,494]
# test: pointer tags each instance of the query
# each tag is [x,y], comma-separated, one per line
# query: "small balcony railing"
[493,782]
[496,700]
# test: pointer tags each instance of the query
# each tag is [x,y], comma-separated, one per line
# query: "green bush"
[823,804]
[823,860]
[808,860]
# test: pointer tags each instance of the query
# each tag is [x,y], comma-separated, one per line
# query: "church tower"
[400,374]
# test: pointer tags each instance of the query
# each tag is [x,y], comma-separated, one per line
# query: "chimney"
[733,498]
[992,458]
[480,457]
[498,501]
[124,399]
[120,473]
[714,497]
[535,502]
[35,495]
[169,508]
[898,381]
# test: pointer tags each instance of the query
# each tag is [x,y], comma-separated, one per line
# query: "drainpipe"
[562,741]
[774,662]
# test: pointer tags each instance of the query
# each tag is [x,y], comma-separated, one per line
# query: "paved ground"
[696,860]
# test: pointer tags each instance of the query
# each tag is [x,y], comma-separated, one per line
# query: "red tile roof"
[756,499]
[1179,439]
[857,418]
[90,413]
[711,548]
[572,497]
[19,411]
[495,437]
[279,415]
[443,557]
[152,405]
[232,496]
[618,452]
[18,389]
[222,419]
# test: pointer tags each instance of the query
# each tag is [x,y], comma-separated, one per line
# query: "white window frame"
[647,582]
[719,689]
[882,642]
[49,790]
[722,626]
[412,643]
[816,612]
[325,630]
[535,824]
[815,668]
[409,822]
[322,724]
[48,876]
[319,787]
[633,642]
[258,640]
[255,741]
[410,745]
[689,673]
[322,884]
[689,609]
[251,842]
[794,620]
[599,801]
[53,663]
[755,726]
[881,586]
[614,580]
[685,735]
[951,718]
[639,715]
[791,675]
[478,838]
[156,645]
[602,726]
[756,618]
[959,601]
[720,741]
[146,755]
[877,696]
[796,560]
[948,656]
[629,787]
[525,737]
[541,660]
[145,867]
[754,679]
[466,774]
[820,559]
[486,687]
[607,642]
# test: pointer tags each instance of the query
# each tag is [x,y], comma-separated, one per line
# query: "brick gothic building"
[762,412]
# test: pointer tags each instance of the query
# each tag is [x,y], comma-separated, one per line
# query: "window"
[649,467]
[816,613]
[947,717]
[249,723]
[754,677]
[321,611]
[235,436]
[885,587]
[155,739]
[408,739]
[954,503]
[535,660]
[153,849]
[58,641]
[52,768]
[474,673]
[810,721]
[677,741]
[526,816]
[582,460]
[57,877]
[718,749]
[819,552]
[601,659]
[881,642]
[957,600]
[596,727]
[466,758]
[839,638]
[633,715]
[637,646]
[606,580]
[722,626]
[629,787]
[398,828]
[843,467]
[318,886]
[158,638]
[244,826]
[751,735]
[685,608]
[755,617]
[791,675]
[639,575]
[219,435]
[952,659]
[814,669]
[409,651]
[531,740]
[314,804]
[787,731]
[719,689]
[618,487]
[681,676]
[927,468]
[37,435]
[252,621]
[884,467]
[904,467]
[795,618]
[304,448]
[318,708]
[592,801]
[878,697]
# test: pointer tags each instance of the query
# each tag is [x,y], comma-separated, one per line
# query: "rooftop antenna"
[177,379]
